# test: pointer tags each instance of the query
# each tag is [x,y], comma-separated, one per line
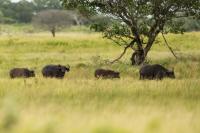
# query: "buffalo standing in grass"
[155,71]
[106,74]
[55,71]
[21,73]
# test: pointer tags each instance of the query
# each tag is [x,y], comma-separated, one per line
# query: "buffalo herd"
[150,72]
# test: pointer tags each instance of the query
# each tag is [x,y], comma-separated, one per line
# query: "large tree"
[137,23]
[54,20]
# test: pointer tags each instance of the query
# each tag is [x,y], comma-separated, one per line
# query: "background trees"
[40,5]
[20,12]
[23,11]
[136,24]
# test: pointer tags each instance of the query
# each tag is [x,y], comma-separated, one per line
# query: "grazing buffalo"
[155,72]
[106,74]
[21,73]
[55,71]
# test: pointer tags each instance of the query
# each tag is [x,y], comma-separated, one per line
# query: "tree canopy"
[138,22]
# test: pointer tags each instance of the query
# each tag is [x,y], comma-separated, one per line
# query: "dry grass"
[81,104]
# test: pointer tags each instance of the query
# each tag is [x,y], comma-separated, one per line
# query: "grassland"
[81,104]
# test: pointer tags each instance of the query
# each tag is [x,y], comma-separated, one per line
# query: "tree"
[53,20]
[137,23]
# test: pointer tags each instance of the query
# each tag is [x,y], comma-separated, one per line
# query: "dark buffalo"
[106,74]
[21,73]
[55,71]
[155,72]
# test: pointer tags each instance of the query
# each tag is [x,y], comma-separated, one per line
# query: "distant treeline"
[23,12]
[191,24]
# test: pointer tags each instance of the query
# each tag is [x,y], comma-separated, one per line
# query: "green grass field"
[81,104]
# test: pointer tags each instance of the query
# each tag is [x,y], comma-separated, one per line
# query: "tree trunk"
[53,32]
[138,56]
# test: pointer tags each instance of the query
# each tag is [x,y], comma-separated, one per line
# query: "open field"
[81,104]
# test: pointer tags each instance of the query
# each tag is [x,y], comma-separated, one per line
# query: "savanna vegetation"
[82,104]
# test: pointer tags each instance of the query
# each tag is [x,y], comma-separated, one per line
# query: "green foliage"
[142,12]
[99,23]
[40,5]
[117,31]
[175,26]
[24,11]
[113,30]
[191,24]
[21,11]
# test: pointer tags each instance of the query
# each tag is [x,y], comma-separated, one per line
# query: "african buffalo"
[21,73]
[155,71]
[55,71]
[106,74]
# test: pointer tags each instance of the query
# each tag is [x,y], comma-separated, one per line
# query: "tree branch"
[169,46]
[124,52]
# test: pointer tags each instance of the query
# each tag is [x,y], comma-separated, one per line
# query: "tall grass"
[82,104]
